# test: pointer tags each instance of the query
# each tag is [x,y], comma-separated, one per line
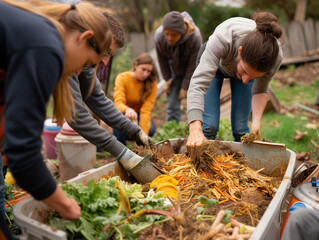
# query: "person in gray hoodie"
[104,108]
[246,51]
[177,43]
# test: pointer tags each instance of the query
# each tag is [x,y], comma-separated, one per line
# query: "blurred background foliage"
[146,15]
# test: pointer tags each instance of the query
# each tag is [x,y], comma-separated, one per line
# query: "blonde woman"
[41,45]
[135,94]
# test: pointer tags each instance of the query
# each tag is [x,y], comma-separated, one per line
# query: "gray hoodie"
[181,57]
[220,52]
[104,108]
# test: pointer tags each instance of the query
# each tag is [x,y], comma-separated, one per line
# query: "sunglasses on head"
[92,42]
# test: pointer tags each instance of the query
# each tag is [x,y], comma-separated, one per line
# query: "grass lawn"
[283,128]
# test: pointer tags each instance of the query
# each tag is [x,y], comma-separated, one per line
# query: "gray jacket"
[104,108]
[220,52]
[181,57]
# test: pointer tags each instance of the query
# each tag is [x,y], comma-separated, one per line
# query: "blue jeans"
[121,137]
[173,111]
[240,107]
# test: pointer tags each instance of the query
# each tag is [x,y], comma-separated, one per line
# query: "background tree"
[293,9]
[300,12]
[146,15]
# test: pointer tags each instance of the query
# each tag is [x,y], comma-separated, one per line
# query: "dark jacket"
[32,56]
[181,57]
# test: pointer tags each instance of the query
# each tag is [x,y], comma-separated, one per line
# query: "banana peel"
[124,201]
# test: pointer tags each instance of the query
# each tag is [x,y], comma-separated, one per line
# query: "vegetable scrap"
[111,209]
[18,196]
[231,230]
[223,175]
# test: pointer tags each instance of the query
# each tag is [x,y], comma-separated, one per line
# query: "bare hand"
[182,96]
[73,212]
[130,114]
[183,106]
[167,86]
[196,136]
[68,208]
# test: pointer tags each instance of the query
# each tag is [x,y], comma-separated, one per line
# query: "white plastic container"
[75,154]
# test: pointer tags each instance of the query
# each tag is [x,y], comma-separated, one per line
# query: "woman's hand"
[196,136]
[68,208]
[130,114]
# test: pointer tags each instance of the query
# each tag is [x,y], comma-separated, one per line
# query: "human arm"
[196,136]
[121,91]
[260,93]
[162,52]
[202,77]
[258,104]
[68,208]
[194,45]
[104,108]
[146,109]
[130,114]
[28,88]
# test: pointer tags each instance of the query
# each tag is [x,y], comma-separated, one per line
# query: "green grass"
[287,95]
[50,108]
[282,129]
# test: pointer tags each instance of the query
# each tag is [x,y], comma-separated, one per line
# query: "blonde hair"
[68,18]
[145,58]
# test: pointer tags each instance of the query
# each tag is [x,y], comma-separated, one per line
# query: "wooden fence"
[300,42]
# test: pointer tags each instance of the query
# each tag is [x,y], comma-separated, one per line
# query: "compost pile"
[217,197]
[210,171]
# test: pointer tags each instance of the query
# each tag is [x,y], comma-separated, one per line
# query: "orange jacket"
[126,93]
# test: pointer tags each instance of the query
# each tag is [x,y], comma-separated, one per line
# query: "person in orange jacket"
[135,94]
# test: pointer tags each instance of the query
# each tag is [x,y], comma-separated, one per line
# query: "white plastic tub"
[30,214]
[75,155]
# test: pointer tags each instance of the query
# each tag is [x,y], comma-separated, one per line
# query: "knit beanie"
[174,21]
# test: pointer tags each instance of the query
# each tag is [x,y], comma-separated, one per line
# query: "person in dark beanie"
[177,43]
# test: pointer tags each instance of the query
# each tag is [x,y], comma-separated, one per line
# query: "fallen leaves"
[300,135]
[304,156]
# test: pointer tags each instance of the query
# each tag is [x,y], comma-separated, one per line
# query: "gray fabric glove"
[141,138]
[141,168]
[128,159]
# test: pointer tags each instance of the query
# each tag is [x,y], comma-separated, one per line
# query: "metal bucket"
[145,171]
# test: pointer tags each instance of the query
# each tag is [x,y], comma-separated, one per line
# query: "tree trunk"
[300,12]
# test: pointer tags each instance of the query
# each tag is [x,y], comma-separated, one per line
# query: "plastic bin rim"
[60,138]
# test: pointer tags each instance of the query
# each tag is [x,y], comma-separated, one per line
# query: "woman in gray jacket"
[249,53]
[104,108]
